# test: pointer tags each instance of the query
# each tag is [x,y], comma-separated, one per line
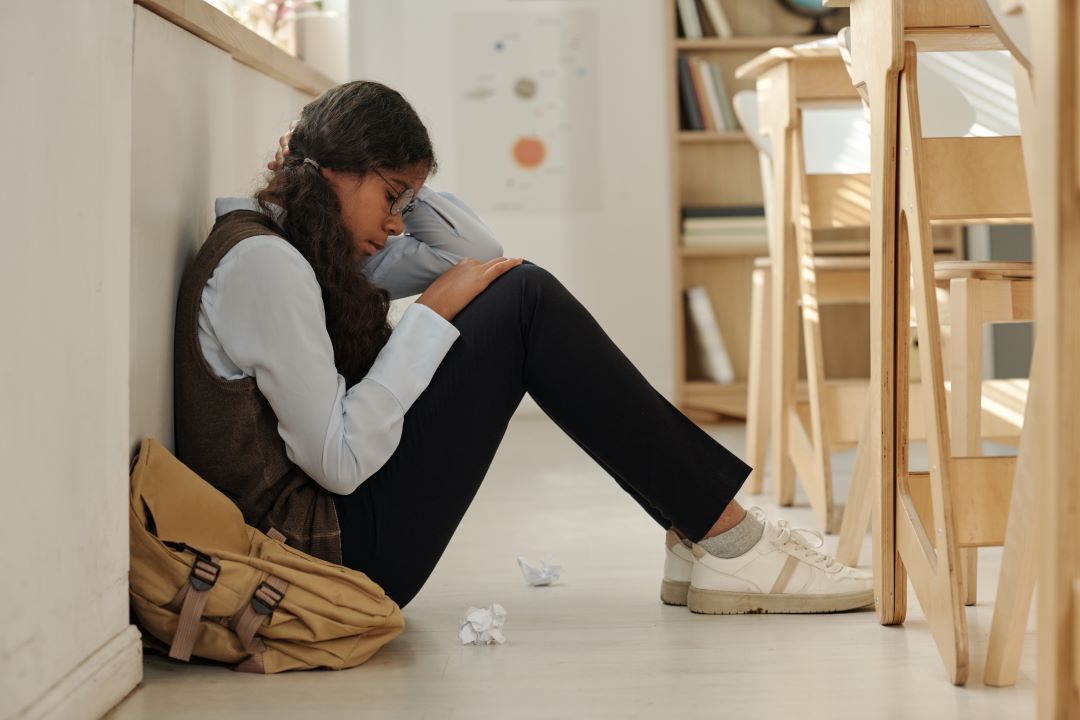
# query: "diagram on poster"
[526,110]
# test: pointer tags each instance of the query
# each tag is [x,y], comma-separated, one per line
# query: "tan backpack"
[206,584]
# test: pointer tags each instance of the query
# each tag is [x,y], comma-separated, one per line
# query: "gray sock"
[736,541]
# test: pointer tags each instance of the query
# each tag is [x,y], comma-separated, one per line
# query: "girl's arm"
[439,232]
[265,319]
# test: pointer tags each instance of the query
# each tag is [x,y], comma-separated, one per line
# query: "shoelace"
[798,539]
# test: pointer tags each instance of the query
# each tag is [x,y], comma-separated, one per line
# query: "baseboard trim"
[97,684]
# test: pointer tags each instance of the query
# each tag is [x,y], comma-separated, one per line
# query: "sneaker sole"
[720,602]
[673,592]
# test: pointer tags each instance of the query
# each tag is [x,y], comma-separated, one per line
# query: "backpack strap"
[192,600]
[264,601]
[260,608]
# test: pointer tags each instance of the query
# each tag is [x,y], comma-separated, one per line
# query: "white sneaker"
[783,573]
[678,562]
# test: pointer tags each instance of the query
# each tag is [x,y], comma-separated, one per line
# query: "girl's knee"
[529,274]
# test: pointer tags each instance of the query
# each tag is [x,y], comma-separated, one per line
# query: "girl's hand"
[458,286]
[283,148]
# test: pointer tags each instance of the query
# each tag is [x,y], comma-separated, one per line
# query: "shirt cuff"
[411,356]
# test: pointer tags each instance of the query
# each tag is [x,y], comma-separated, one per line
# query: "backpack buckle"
[266,598]
[204,571]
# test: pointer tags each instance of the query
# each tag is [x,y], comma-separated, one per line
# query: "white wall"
[203,126]
[66,648]
[617,260]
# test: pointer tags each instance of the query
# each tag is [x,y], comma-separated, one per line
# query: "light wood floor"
[600,644]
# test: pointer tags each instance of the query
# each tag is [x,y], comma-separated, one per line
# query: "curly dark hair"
[356,127]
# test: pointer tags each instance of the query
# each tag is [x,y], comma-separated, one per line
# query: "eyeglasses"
[404,202]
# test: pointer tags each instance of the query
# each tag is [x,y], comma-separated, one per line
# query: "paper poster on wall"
[525,97]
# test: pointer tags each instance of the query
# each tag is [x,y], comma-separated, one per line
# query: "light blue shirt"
[262,316]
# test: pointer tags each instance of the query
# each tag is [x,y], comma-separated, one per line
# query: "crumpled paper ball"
[483,626]
[545,574]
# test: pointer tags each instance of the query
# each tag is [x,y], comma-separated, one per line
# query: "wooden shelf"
[718,168]
[763,42]
[699,136]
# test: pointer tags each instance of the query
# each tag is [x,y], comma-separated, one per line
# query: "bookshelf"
[712,168]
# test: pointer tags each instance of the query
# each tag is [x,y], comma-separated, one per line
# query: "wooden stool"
[962,501]
[879,31]
[980,293]
[838,280]
[804,76]
[827,217]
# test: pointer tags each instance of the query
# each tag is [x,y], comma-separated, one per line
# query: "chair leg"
[815,470]
[860,499]
[783,328]
[965,406]
[927,545]
[757,399]
[1019,563]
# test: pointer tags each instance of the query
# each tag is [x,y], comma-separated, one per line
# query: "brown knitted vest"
[226,430]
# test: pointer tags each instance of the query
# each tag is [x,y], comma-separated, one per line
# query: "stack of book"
[740,230]
[704,103]
[703,18]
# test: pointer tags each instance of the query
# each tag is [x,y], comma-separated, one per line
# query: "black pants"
[527,333]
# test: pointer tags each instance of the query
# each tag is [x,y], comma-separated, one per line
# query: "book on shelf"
[714,355]
[726,109]
[690,20]
[740,229]
[688,97]
[717,18]
[703,98]
[723,216]
[722,211]
[703,18]
[715,115]
[702,85]
[707,27]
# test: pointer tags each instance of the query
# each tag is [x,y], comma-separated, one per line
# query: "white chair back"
[745,103]
[967,94]
[1012,29]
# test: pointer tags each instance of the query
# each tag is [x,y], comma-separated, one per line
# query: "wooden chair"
[880,29]
[841,279]
[963,500]
[832,208]
[829,214]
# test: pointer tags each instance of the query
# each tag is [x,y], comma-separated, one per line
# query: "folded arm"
[440,232]
[268,316]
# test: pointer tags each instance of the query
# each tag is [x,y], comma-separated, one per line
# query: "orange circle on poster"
[529,152]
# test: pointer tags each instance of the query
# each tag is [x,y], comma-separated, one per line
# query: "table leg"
[890,582]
